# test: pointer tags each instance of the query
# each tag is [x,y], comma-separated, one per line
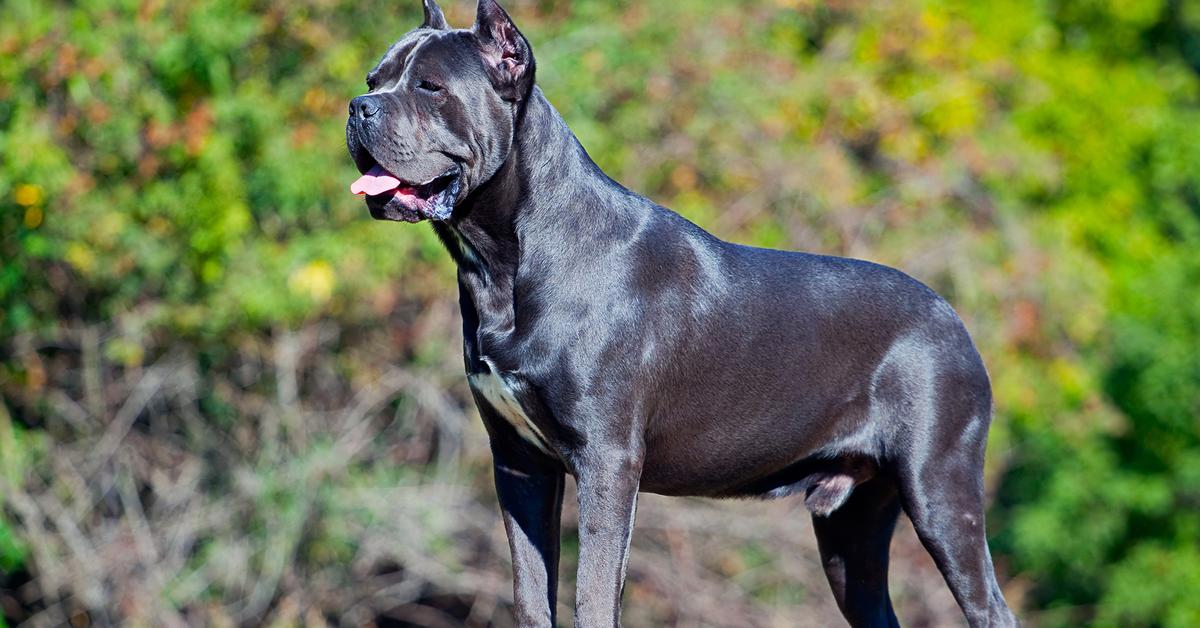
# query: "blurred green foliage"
[177,170]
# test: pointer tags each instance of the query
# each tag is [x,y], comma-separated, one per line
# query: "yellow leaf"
[80,256]
[315,280]
[33,217]
[27,194]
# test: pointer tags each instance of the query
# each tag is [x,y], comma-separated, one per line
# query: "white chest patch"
[493,388]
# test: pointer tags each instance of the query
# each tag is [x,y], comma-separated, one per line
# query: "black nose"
[364,107]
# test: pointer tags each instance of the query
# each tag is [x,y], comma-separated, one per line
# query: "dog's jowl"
[608,338]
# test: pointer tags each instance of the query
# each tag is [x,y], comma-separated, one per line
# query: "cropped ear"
[433,16]
[506,52]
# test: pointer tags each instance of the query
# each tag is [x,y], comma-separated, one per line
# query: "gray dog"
[608,338]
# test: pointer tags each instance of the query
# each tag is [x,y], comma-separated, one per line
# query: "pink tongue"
[376,181]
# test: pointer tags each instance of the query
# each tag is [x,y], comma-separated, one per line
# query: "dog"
[609,338]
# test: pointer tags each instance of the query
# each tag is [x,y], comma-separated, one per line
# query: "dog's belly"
[708,470]
[754,446]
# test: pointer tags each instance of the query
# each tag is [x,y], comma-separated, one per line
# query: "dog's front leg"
[607,485]
[531,504]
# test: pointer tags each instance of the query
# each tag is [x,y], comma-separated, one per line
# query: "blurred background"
[230,398]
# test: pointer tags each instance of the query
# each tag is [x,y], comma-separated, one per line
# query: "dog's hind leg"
[942,492]
[853,541]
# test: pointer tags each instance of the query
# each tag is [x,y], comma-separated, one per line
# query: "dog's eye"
[428,86]
[371,83]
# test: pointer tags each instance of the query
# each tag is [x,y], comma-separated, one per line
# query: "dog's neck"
[534,200]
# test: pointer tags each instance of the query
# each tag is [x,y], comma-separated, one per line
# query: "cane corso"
[608,338]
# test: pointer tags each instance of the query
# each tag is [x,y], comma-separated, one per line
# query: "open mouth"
[392,198]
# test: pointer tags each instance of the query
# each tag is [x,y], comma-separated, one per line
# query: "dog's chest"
[492,387]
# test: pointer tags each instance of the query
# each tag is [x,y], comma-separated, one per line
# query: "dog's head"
[439,116]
